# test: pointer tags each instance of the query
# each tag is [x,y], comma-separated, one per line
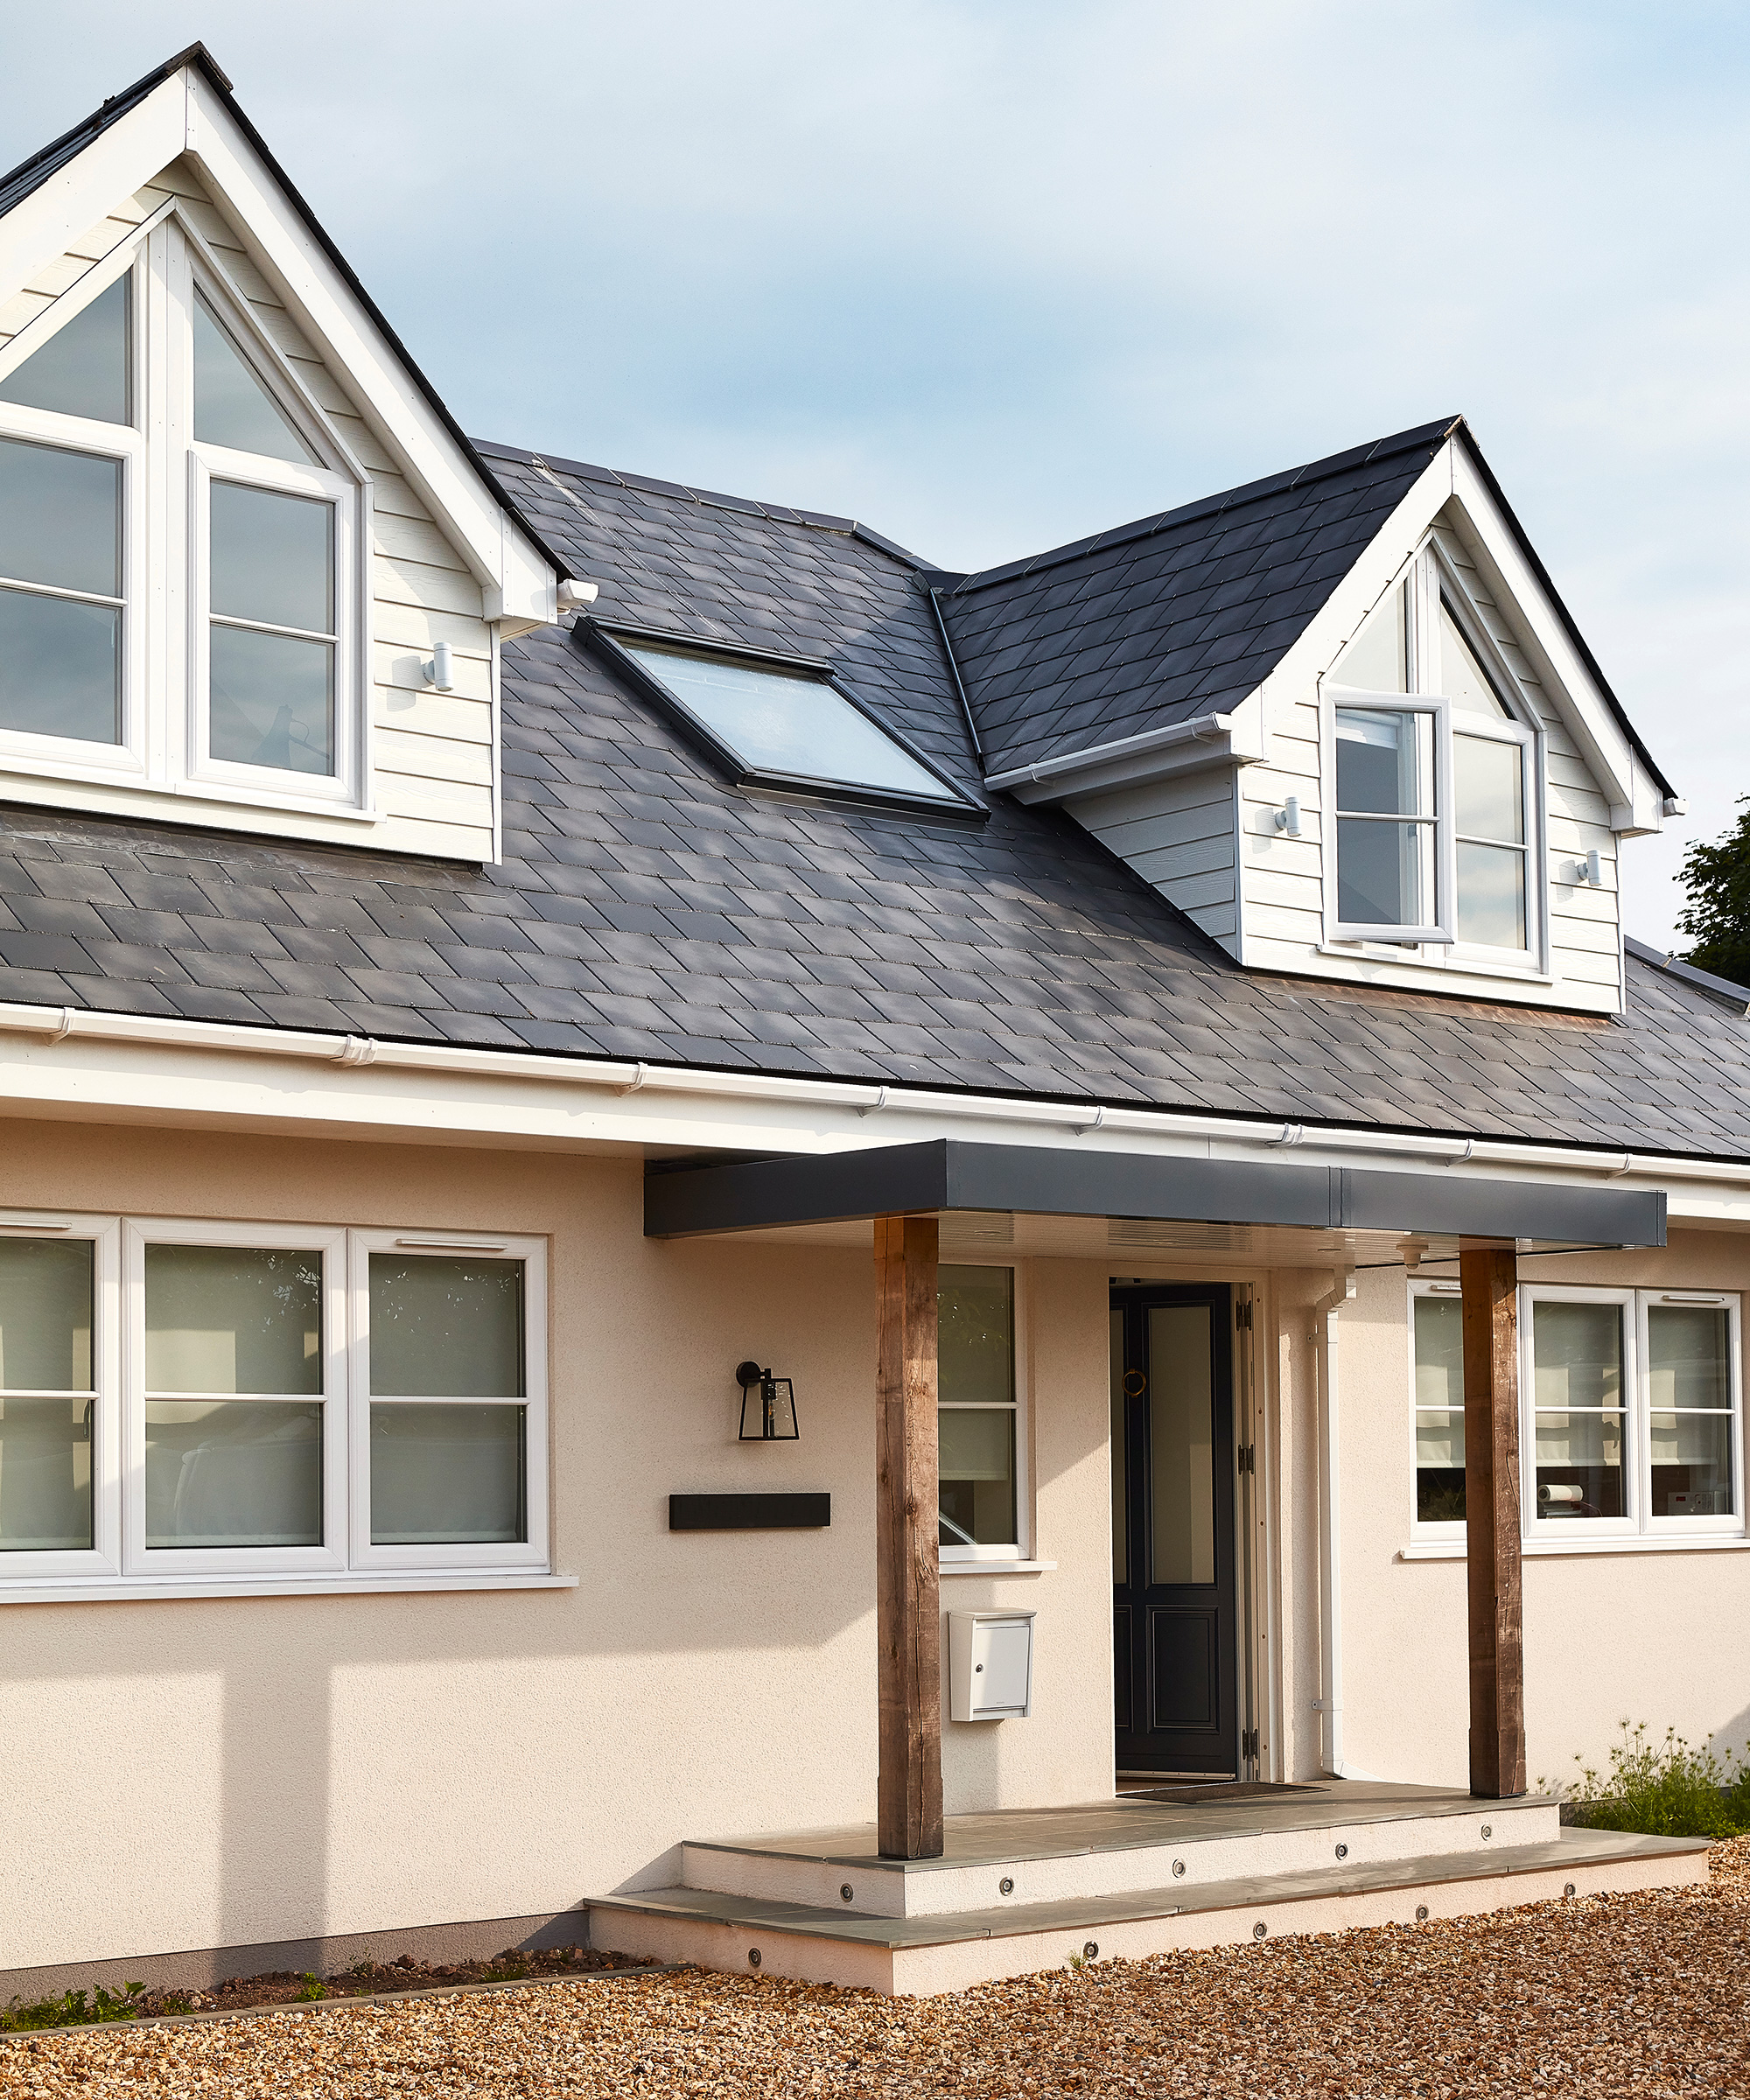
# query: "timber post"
[1488,1278]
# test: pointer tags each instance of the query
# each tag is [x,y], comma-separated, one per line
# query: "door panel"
[1172,1528]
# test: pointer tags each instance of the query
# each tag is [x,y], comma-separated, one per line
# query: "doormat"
[1232,1789]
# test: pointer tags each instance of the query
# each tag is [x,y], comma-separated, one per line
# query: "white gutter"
[1199,729]
[55,1025]
[1330,1705]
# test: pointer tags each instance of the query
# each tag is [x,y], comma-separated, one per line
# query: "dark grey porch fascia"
[955,1173]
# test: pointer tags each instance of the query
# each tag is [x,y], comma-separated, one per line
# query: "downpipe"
[1330,1704]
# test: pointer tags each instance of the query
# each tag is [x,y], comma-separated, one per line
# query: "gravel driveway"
[1606,1995]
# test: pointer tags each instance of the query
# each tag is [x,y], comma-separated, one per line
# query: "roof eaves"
[30,174]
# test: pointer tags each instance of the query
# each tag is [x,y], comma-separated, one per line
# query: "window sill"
[1467,965]
[112,1589]
[130,775]
[997,1567]
[1453,1549]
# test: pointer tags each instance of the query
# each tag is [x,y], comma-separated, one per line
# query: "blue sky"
[994,276]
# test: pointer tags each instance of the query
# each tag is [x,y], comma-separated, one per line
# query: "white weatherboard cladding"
[432,784]
[1176,833]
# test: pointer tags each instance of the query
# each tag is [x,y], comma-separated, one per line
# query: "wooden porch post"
[908,1609]
[1489,1277]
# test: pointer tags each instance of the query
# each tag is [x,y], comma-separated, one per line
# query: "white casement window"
[182,534]
[1632,1414]
[980,1447]
[186,1401]
[1433,783]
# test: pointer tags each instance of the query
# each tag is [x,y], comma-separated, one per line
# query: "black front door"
[1172,1528]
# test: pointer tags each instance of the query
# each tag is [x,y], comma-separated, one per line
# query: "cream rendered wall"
[185,1774]
[432,754]
[1661,1637]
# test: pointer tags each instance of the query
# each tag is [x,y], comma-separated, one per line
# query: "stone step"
[924,1955]
[1108,1849]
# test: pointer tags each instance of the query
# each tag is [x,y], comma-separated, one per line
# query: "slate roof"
[1178,615]
[646,909]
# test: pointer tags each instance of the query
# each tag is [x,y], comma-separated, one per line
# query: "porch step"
[923,1954]
[1116,1848]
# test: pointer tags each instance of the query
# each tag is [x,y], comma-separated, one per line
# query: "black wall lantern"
[769,1406]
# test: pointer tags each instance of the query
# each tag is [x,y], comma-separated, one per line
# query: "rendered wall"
[187,1775]
[1662,1637]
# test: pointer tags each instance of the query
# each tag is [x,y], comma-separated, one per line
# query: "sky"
[991,273]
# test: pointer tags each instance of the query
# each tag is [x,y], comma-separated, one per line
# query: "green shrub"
[1663,1790]
[71,2009]
[313,1991]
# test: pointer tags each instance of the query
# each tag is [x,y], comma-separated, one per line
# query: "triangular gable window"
[255,677]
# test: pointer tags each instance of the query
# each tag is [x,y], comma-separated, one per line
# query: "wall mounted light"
[1288,817]
[769,1406]
[437,673]
[1590,870]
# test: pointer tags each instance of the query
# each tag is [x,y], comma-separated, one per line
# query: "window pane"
[60,668]
[273,557]
[1439,1351]
[1689,1360]
[1579,1464]
[45,1475]
[1385,873]
[1487,791]
[1440,1466]
[60,518]
[272,700]
[446,1324]
[447,1475]
[977,1475]
[1692,1465]
[233,1473]
[1577,1354]
[976,1334]
[233,1319]
[1577,1364]
[82,369]
[46,1299]
[1385,763]
[1181,1404]
[1375,659]
[1462,678]
[789,722]
[1121,1456]
[231,405]
[1491,895]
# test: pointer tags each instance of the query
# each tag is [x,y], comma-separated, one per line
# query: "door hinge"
[1246,1457]
[1249,1742]
[1242,1315]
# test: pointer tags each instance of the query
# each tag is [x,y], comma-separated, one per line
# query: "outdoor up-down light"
[769,1406]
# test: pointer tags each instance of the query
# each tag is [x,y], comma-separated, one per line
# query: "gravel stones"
[1638,1995]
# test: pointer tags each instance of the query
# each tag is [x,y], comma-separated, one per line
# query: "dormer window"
[1433,781]
[179,544]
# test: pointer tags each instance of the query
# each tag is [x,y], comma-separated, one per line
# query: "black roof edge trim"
[705,645]
[1432,434]
[1673,965]
[603,640]
[1467,436]
[118,106]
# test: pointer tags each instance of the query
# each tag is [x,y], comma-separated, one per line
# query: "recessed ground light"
[1005,1888]
[1567,1888]
[845,1892]
[753,1958]
[1090,1950]
[1260,1929]
[1179,1870]
[1487,1831]
[1421,1914]
[1342,1851]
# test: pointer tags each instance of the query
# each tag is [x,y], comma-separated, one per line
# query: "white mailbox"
[990,1665]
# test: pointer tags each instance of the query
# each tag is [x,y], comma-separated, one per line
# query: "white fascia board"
[118,161]
[1541,633]
[1321,640]
[1234,738]
[522,587]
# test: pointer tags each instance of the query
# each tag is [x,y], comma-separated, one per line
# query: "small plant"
[71,2009]
[314,1989]
[1663,1790]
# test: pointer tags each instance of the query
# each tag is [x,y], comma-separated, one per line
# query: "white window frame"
[1432,579]
[1532,1527]
[164,741]
[118,1563]
[1732,1525]
[961,1557]
[1421,1288]
[103,1557]
[532,1552]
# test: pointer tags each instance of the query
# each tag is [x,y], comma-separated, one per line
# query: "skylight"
[788,726]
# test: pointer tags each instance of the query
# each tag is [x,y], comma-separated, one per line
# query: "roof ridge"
[780,514]
[1203,507]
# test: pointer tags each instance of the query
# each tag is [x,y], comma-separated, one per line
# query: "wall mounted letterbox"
[990,1665]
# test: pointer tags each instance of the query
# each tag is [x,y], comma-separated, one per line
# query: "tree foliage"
[1716,873]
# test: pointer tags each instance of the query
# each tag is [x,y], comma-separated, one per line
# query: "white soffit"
[185,115]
